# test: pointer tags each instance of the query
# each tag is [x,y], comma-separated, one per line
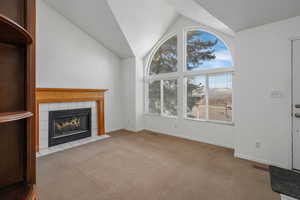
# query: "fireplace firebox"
[69,125]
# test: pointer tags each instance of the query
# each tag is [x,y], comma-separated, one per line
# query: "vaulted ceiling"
[128,28]
[143,22]
[244,14]
[192,10]
[132,27]
[95,18]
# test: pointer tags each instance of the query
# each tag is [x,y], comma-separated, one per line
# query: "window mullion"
[161,97]
[181,68]
[206,96]
[146,96]
[184,92]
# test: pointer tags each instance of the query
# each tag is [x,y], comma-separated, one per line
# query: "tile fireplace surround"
[54,99]
[44,120]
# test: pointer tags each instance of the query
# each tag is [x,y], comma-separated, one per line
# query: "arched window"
[206,51]
[163,91]
[165,58]
[205,78]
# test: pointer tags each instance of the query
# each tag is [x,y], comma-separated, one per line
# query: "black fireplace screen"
[69,125]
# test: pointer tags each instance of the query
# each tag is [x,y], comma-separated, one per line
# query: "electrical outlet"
[257,145]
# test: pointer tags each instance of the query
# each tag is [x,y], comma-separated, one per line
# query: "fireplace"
[69,125]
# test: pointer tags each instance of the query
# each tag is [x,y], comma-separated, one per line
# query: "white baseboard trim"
[131,130]
[189,138]
[108,131]
[251,158]
[284,197]
[259,160]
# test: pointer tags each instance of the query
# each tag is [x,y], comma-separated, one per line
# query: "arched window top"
[206,51]
[165,58]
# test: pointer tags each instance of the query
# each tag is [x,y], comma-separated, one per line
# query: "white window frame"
[182,74]
[206,76]
[161,78]
[162,97]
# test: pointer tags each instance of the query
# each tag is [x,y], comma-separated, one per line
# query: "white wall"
[218,134]
[68,58]
[133,99]
[263,58]
[139,88]
[128,82]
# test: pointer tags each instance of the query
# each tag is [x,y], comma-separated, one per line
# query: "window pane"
[170,97]
[220,97]
[206,51]
[196,99]
[165,58]
[154,97]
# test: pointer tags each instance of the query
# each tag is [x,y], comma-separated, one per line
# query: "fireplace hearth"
[69,125]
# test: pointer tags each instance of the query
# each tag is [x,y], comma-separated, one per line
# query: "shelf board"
[13,33]
[14,116]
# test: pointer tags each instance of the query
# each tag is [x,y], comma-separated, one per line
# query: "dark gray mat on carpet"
[285,182]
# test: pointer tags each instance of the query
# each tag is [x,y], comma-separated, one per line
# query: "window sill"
[211,121]
[159,115]
[190,119]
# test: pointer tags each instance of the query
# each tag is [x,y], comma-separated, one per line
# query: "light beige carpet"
[149,166]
